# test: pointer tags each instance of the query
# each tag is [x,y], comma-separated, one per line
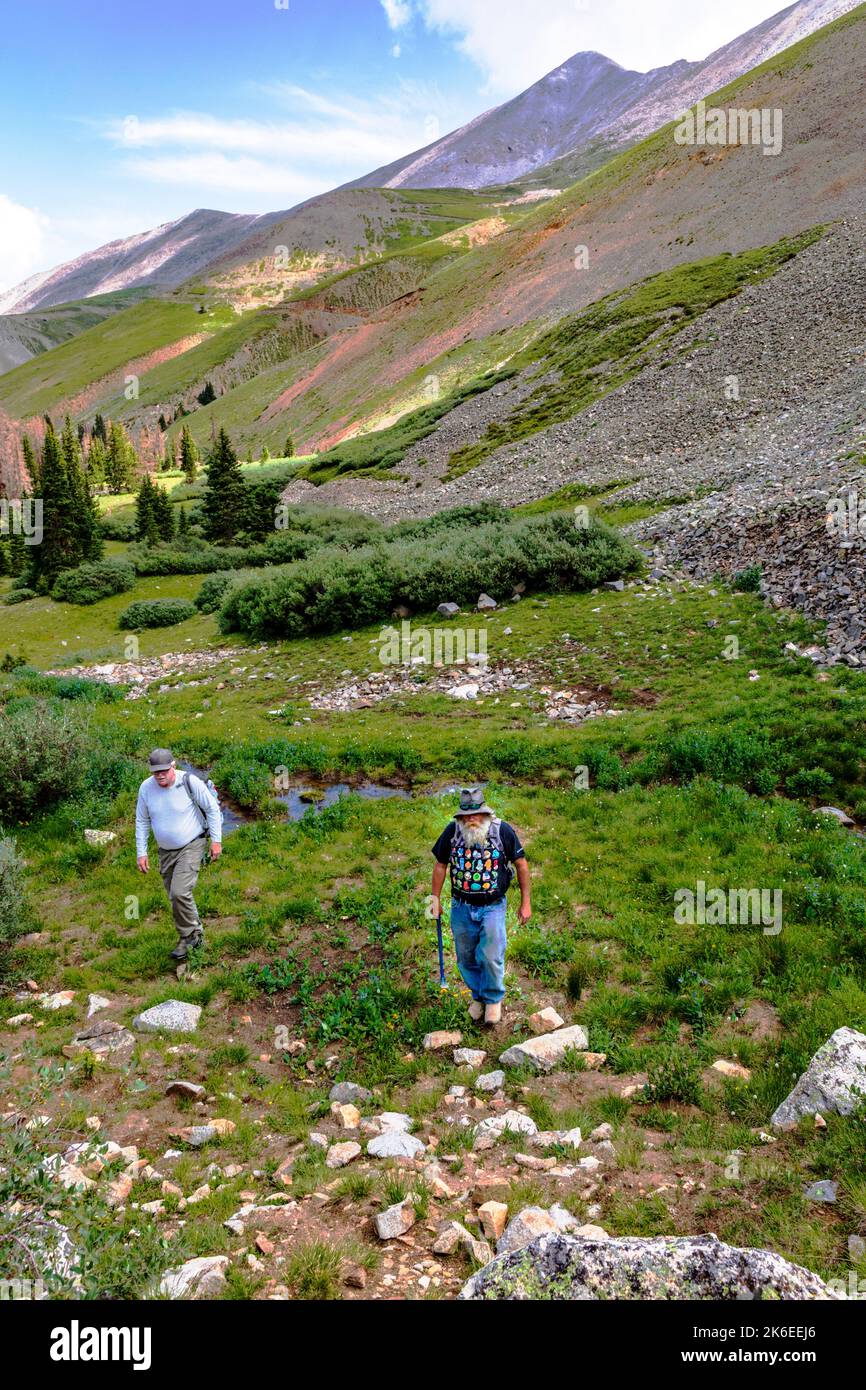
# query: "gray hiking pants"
[179,869]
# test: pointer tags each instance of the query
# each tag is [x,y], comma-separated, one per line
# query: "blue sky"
[130,115]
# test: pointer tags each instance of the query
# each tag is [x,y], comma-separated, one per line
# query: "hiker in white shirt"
[181,810]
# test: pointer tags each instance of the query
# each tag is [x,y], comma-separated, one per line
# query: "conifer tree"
[60,546]
[85,514]
[189,455]
[163,514]
[18,554]
[222,506]
[97,462]
[146,520]
[31,464]
[121,463]
[290,448]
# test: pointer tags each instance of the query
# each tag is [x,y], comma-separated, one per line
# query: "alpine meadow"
[433,669]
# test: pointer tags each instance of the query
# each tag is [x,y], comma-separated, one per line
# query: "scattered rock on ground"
[573,1268]
[490,1081]
[201,1278]
[469,1057]
[545,1021]
[172,1016]
[396,1220]
[395,1144]
[347,1093]
[341,1154]
[105,1039]
[834,1081]
[434,1042]
[544,1053]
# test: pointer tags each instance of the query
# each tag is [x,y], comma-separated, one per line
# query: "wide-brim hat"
[473,803]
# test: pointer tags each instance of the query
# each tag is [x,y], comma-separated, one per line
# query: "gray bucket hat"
[473,803]
[161,759]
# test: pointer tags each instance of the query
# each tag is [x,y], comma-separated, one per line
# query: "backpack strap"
[199,812]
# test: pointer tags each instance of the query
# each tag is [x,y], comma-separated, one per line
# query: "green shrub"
[119,525]
[583,971]
[156,612]
[90,583]
[28,681]
[12,897]
[44,756]
[748,581]
[674,1076]
[333,590]
[809,781]
[244,779]
[306,531]
[213,590]
[18,596]
[741,755]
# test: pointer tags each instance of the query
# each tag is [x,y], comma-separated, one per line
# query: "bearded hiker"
[478,848]
[180,809]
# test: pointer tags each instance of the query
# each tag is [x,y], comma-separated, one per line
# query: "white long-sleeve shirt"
[170,814]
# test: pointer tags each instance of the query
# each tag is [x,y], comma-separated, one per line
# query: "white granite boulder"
[546,1052]
[835,1080]
[172,1016]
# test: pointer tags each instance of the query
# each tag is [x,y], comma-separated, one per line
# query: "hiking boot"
[476,1010]
[183,948]
[492,1013]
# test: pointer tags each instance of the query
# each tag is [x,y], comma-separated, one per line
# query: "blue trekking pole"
[442,981]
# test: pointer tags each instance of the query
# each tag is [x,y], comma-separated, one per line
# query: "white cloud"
[514,49]
[395,51]
[397,12]
[22,242]
[216,171]
[317,144]
[338,138]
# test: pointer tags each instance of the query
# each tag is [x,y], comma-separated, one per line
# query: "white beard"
[475,836]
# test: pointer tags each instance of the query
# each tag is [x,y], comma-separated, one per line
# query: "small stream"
[313,797]
[300,800]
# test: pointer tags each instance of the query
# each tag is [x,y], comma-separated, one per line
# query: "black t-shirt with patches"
[481,864]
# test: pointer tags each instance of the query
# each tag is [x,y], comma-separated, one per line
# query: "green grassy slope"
[108,347]
[321,927]
[23,336]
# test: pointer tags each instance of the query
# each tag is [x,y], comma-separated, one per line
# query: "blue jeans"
[479,940]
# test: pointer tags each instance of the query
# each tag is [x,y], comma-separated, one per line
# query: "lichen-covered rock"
[512,1120]
[546,1052]
[348,1093]
[201,1278]
[525,1228]
[395,1144]
[469,1057]
[105,1039]
[396,1220]
[834,1080]
[172,1016]
[683,1268]
[435,1042]
[491,1081]
[340,1154]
